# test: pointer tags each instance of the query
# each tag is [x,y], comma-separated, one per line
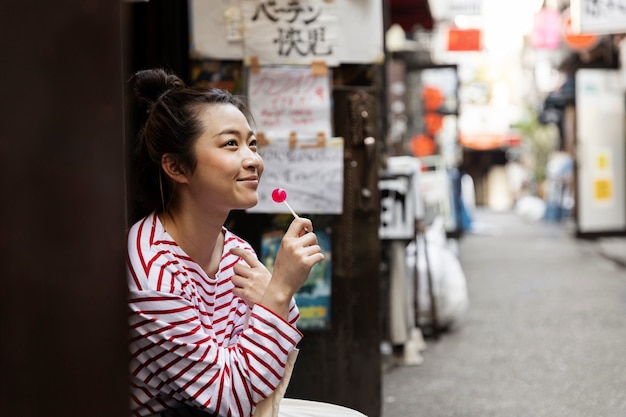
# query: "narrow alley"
[544,335]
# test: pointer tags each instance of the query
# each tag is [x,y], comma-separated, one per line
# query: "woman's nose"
[252,160]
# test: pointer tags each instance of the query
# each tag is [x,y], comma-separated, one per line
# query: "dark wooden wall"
[63,327]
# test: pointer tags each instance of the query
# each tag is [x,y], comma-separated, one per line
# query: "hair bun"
[151,84]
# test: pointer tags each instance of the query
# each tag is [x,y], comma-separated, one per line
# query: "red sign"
[460,40]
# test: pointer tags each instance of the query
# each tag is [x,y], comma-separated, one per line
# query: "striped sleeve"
[180,354]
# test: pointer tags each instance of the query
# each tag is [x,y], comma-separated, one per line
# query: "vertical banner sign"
[290,31]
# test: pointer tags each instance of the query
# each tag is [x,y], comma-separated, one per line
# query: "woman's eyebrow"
[235,132]
[228,132]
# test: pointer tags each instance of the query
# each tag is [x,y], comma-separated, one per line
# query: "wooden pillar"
[343,364]
[63,341]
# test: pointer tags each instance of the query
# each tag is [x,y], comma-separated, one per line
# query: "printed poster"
[313,298]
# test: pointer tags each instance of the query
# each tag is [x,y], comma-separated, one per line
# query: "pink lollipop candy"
[280,196]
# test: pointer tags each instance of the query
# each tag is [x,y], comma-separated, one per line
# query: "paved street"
[544,335]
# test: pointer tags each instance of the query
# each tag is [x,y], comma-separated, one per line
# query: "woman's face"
[228,166]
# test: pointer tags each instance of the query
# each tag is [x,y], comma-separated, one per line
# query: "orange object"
[578,41]
[432,97]
[433,122]
[483,141]
[422,145]
[464,40]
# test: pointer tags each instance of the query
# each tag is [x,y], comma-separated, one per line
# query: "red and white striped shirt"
[188,344]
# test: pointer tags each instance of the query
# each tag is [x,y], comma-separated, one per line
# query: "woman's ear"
[172,167]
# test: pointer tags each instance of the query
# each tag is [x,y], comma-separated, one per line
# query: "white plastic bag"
[448,278]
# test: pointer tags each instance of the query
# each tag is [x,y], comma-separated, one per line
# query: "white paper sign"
[598,16]
[312,178]
[357,38]
[397,207]
[290,99]
[290,32]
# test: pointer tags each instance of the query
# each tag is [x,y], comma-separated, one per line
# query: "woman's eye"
[253,143]
[231,142]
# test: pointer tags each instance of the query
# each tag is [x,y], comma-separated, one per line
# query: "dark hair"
[172,126]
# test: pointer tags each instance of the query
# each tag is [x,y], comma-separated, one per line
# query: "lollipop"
[280,196]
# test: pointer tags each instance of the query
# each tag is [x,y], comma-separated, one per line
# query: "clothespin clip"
[319,68]
[255,68]
[293,140]
[319,143]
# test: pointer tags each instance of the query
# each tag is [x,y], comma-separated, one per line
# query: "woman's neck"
[200,237]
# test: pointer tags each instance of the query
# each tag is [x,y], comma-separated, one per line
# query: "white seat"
[290,407]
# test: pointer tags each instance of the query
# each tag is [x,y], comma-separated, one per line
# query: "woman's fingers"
[251,277]
[298,253]
[249,257]
[299,227]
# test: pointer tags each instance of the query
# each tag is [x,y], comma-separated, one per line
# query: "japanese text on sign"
[290,31]
[286,100]
[217,31]
[312,177]
[598,16]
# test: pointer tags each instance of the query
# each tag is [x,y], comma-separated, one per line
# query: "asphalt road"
[544,334]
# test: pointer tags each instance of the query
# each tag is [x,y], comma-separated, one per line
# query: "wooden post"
[63,346]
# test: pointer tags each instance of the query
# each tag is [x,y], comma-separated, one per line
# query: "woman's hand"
[298,253]
[250,279]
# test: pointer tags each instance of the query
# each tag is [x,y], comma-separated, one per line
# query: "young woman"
[211,328]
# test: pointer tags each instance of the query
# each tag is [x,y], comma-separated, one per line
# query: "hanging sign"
[218,28]
[598,16]
[311,175]
[290,32]
[546,34]
[288,101]
[292,117]
[463,40]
